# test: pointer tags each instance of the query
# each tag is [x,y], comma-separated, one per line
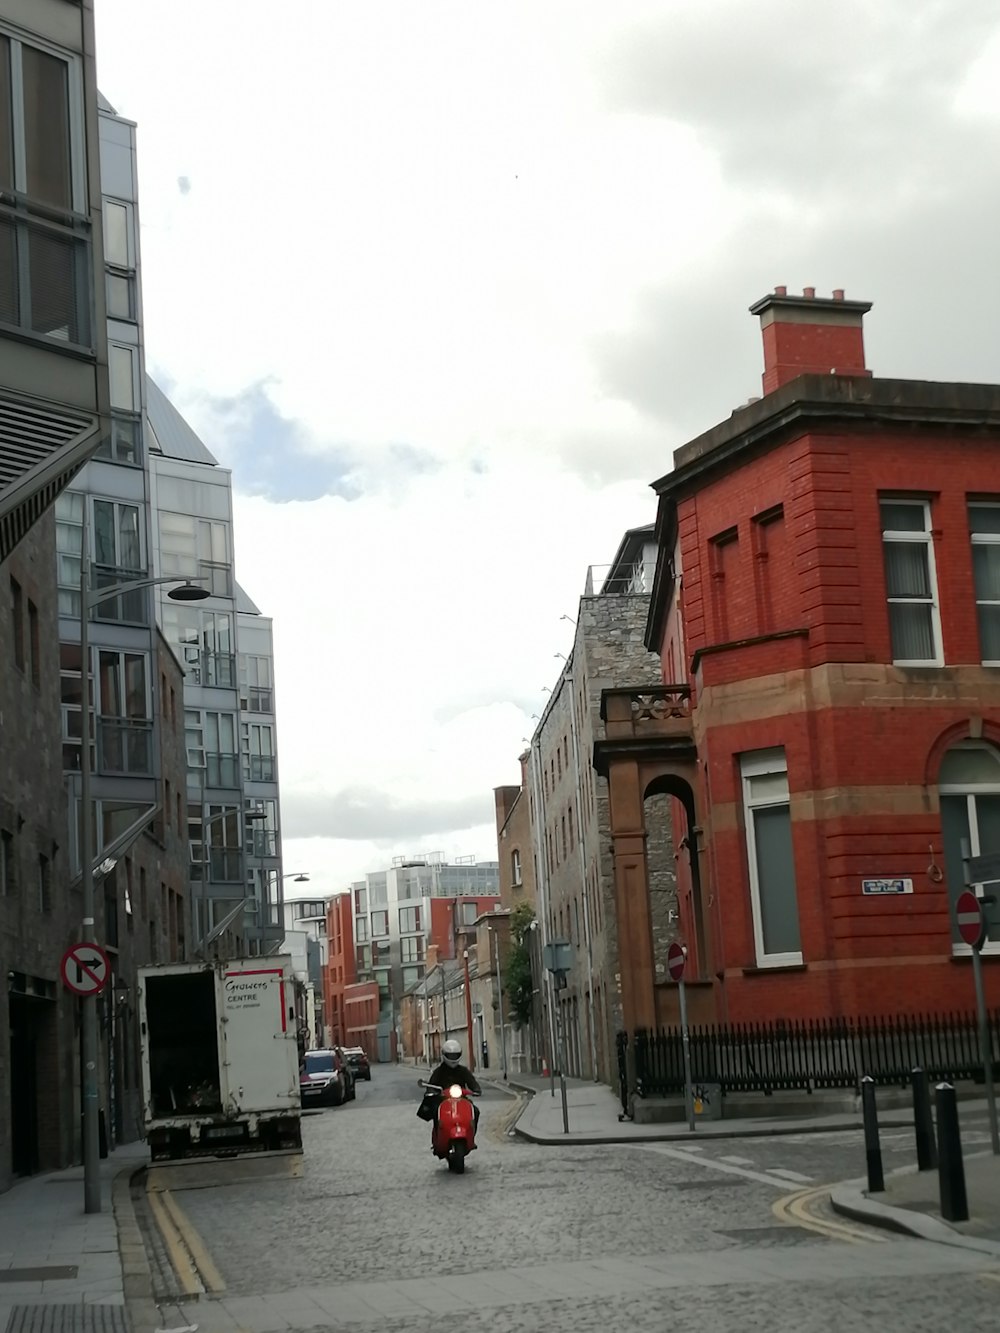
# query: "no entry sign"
[85,969]
[969,915]
[676,958]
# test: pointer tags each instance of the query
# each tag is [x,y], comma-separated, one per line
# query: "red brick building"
[827,612]
[340,971]
[352,992]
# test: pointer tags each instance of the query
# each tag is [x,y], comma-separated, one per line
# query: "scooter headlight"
[454,1090]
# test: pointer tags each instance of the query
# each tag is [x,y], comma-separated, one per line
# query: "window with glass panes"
[409,919]
[412,948]
[69,545]
[768,826]
[911,582]
[984,527]
[969,788]
[44,230]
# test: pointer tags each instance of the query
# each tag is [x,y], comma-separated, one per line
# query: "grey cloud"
[803,95]
[860,177]
[367,814]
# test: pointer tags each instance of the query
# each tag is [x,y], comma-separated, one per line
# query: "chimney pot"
[838,293]
[781,291]
[806,336]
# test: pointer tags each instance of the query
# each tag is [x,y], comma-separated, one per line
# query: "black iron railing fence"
[807,1056]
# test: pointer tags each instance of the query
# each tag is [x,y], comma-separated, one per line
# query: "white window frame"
[983,539]
[925,538]
[515,868]
[109,204]
[763,763]
[970,790]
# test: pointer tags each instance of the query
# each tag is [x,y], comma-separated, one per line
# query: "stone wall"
[609,650]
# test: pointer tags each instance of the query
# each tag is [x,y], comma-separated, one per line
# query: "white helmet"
[451,1052]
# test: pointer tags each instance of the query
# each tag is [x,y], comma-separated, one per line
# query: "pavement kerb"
[681,1134]
[852,1200]
[137,1278]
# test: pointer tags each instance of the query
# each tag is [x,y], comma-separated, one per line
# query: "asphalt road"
[377,1235]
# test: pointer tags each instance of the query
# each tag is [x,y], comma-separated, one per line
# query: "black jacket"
[445,1075]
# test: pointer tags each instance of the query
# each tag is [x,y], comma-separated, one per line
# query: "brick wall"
[35,927]
[791,540]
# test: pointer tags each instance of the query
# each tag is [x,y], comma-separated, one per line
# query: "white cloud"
[389,245]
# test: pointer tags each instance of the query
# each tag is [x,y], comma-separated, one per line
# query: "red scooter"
[454,1124]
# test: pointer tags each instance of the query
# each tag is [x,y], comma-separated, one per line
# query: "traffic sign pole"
[686,1043]
[986,1049]
[676,959]
[966,908]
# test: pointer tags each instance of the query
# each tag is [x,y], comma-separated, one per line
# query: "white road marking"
[737,1161]
[795,1176]
[713,1164]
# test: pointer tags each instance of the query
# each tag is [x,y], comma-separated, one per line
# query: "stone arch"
[969,729]
[665,786]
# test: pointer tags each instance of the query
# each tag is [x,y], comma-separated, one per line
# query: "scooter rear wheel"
[456,1158]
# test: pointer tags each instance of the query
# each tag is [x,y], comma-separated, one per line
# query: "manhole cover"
[50,1274]
[67,1319]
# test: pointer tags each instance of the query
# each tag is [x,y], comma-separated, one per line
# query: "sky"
[446,282]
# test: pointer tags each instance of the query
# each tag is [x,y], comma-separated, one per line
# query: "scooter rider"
[451,1070]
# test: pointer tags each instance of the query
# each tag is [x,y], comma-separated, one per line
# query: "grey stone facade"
[608,650]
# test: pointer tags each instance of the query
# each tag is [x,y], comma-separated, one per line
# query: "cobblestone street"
[377,1235]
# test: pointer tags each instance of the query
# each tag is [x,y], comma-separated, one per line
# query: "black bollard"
[923,1121]
[873,1149]
[951,1167]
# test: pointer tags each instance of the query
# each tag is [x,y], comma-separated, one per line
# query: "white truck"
[220,1058]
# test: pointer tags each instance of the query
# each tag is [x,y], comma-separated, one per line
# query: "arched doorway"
[969,789]
[675,794]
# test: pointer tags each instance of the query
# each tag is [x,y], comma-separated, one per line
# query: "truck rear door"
[258,1036]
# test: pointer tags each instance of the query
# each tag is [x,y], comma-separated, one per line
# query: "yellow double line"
[191,1261]
[795,1209]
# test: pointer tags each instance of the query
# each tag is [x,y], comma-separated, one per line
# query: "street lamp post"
[89,598]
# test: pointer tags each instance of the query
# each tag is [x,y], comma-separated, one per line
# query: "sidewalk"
[52,1253]
[593,1111]
[911,1204]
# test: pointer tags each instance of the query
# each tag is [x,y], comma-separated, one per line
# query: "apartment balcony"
[215,670]
[125,746]
[258,767]
[129,608]
[222,770]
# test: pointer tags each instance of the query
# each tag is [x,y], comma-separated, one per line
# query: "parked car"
[326,1078]
[358,1061]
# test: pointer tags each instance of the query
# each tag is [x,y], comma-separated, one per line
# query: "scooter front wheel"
[456,1158]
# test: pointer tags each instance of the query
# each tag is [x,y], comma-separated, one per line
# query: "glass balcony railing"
[222,770]
[125,745]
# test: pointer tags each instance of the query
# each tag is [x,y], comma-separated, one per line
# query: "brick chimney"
[810,335]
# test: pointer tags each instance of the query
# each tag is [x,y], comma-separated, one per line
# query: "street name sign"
[85,969]
[886,886]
